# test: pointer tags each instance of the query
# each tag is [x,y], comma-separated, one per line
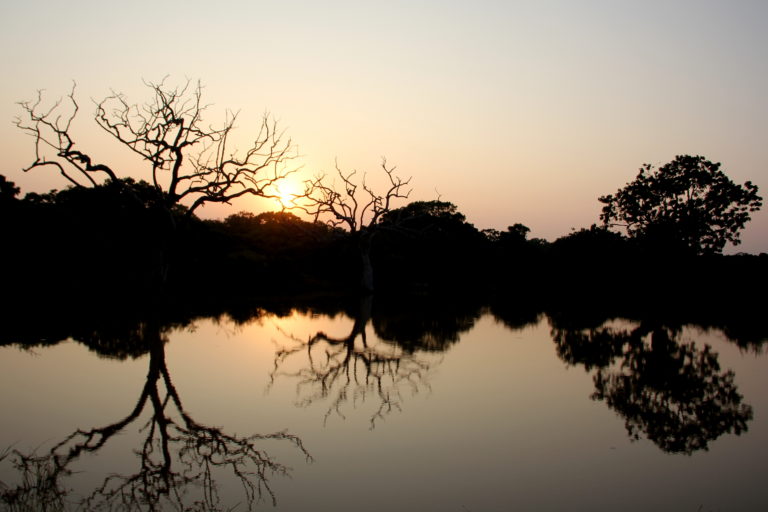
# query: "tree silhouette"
[350,368]
[177,455]
[673,393]
[429,244]
[688,204]
[188,162]
[8,191]
[353,206]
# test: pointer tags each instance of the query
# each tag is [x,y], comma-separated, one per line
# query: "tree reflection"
[592,348]
[40,487]
[671,392]
[515,314]
[426,324]
[351,369]
[179,458]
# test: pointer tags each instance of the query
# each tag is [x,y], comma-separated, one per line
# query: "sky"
[515,111]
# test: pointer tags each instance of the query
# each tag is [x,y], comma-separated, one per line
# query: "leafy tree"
[588,256]
[688,204]
[272,250]
[8,190]
[434,218]
[515,240]
[427,244]
[278,232]
[517,233]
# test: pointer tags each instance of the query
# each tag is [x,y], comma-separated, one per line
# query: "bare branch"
[188,161]
[177,452]
[54,145]
[342,204]
[340,370]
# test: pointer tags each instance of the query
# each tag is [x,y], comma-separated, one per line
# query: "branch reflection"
[179,457]
[353,369]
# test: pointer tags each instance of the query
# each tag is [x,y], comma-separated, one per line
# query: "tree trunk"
[366,281]
[362,318]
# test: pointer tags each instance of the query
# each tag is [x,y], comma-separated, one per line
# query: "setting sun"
[462,256]
[287,191]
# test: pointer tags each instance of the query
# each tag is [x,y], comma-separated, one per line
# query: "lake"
[382,406]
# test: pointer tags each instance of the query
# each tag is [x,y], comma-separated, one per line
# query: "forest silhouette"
[112,241]
[116,262]
[118,236]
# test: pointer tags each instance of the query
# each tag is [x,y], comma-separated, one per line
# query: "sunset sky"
[516,111]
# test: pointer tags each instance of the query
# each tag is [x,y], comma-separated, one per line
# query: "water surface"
[385,409]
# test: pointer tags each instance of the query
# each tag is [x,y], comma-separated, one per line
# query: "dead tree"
[190,163]
[354,206]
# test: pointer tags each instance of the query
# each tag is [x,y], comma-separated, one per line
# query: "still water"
[319,410]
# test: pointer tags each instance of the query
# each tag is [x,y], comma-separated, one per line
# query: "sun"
[287,191]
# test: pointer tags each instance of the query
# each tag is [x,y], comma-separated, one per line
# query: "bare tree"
[189,162]
[354,206]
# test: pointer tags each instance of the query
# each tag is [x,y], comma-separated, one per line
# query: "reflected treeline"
[670,391]
[515,314]
[349,369]
[424,323]
[667,389]
[739,317]
[179,458]
[119,330]
[113,333]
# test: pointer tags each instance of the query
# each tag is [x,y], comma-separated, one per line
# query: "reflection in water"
[423,323]
[665,389]
[671,392]
[515,315]
[352,368]
[179,457]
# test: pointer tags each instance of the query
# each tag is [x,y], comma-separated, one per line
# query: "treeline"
[667,387]
[431,322]
[119,241]
[111,238]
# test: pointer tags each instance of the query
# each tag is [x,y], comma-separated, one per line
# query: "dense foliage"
[688,205]
[119,240]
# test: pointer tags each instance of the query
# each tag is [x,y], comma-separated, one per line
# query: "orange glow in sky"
[519,111]
[288,190]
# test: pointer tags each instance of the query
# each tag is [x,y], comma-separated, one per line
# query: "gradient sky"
[515,111]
